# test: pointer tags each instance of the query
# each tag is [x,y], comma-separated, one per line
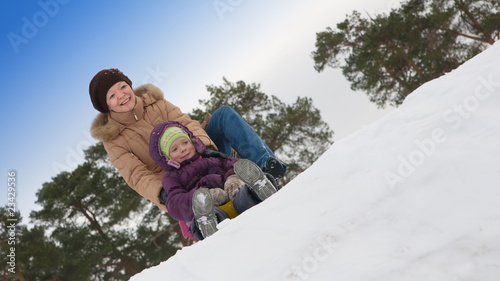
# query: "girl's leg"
[195,228]
[246,197]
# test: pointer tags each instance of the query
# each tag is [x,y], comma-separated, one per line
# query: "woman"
[127,118]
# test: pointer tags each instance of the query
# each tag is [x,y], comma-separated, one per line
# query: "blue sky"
[50,50]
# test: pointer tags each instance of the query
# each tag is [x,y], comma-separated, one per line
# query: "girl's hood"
[162,160]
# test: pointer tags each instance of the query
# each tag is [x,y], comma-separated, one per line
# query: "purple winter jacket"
[182,180]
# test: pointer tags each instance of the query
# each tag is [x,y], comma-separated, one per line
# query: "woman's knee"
[224,110]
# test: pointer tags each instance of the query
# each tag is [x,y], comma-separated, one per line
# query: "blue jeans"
[228,130]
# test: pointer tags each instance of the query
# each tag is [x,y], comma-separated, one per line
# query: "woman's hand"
[162,196]
[209,152]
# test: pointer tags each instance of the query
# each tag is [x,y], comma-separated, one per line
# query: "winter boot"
[275,168]
[253,176]
[204,213]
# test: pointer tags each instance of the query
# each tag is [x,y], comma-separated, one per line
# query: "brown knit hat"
[100,84]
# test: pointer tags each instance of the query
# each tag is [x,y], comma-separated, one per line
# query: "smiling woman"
[110,87]
[128,116]
[126,120]
[120,97]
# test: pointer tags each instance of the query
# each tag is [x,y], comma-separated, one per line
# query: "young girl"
[198,186]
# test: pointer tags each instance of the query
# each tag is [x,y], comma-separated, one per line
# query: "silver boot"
[204,212]
[253,176]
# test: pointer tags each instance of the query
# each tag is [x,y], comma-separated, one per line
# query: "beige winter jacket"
[126,139]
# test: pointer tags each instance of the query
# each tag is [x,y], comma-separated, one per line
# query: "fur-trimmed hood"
[104,129]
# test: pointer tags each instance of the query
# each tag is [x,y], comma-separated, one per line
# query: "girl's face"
[181,149]
[120,97]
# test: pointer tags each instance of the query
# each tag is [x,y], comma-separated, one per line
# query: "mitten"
[233,185]
[219,196]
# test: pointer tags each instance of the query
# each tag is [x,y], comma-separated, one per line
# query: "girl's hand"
[219,196]
[232,185]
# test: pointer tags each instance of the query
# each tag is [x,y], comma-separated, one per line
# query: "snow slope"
[413,196]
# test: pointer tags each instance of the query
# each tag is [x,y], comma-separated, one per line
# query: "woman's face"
[120,97]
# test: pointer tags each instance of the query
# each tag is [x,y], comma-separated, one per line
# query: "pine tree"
[92,226]
[389,56]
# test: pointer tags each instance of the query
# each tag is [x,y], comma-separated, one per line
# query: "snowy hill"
[413,196]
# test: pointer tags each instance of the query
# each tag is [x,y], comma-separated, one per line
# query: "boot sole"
[204,212]
[253,176]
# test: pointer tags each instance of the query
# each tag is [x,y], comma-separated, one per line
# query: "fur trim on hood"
[104,130]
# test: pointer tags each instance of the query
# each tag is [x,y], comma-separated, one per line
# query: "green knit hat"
[168,137]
